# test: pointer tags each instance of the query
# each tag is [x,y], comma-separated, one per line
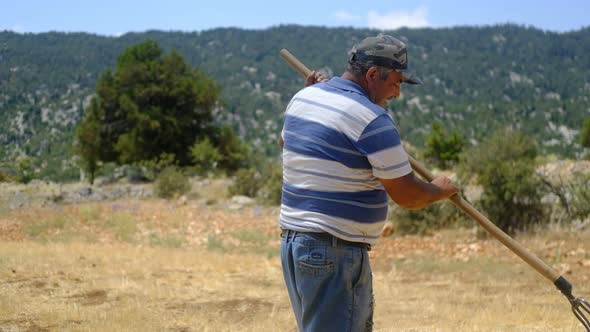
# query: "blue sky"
[115,17]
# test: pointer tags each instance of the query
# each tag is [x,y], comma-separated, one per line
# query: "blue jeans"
[329,283]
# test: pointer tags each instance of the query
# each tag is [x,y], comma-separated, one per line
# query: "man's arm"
[412,193]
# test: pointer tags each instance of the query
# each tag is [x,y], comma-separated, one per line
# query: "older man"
[342,157]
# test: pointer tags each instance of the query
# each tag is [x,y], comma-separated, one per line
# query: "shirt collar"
[348,85]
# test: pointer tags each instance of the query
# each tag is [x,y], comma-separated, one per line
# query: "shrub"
[579,189]
[272,189]
[171,183]
[585,134]
[265,184]
[4,177]
[205,156]
[247,182]
[504,166]
[441,148]
[149,169]
[425,221]
[25,170]
[573,196]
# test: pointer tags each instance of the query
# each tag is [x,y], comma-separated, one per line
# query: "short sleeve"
[381,144]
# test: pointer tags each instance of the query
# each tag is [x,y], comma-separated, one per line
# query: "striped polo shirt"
[337,146]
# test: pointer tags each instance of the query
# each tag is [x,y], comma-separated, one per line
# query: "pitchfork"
[579,305]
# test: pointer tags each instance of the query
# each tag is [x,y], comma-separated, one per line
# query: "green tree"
[150,105]
[504,166]
[88,140]
[441,148]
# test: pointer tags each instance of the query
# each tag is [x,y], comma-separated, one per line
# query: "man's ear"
[372,74]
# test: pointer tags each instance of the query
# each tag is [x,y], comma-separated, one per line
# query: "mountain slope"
[476,79]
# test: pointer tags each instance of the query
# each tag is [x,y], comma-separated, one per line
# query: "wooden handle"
[484,222]
[491,228]
[294,62]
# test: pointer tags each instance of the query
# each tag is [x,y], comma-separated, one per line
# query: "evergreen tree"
[88,140]
[150,105]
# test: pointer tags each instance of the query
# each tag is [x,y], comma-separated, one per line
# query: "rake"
[579,306]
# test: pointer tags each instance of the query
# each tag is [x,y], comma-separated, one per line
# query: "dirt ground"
[156,265]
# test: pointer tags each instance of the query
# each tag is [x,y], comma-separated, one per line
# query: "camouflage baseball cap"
[384,51]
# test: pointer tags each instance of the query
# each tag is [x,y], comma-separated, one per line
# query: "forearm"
[421,195]
[409,192]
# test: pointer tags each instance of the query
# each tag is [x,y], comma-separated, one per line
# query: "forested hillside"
[477,79]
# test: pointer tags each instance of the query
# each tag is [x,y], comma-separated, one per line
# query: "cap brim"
[410,79]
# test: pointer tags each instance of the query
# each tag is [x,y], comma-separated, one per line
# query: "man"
[342,156]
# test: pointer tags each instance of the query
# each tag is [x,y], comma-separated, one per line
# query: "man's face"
[382,91]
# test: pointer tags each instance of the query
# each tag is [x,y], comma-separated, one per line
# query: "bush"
[272,189]
[247,182]
[425,221]
[4,177]
[573,196]
[265,185]
[504,166]
[25,170]
[579,189]
[205,156]
[171,183]
[441,148]
[585,134]
[149,169]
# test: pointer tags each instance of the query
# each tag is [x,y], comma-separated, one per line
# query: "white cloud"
[394,20]
[346,16]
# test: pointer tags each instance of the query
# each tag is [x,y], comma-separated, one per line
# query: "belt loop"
[334,241]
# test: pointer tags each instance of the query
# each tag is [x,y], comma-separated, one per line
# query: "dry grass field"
[197,265]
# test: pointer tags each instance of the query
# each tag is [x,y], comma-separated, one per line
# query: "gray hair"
[361,68]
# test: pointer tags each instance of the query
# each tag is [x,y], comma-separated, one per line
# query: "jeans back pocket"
[315,262]
[316,271]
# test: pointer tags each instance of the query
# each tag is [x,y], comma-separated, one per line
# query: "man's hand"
[315,77]
[446,186]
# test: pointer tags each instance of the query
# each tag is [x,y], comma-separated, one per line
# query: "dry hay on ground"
[154,265]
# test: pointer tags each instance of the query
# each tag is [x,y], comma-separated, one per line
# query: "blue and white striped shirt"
[337,146]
